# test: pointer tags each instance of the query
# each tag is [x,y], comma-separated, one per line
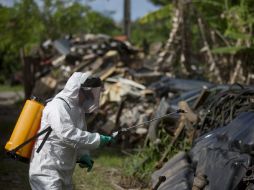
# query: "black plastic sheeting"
[175,85]
[223,155]
[238,136]
[178,173]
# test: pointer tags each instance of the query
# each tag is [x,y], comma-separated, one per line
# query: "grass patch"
[96,179]
[110,158]
[141,165]
[107,166]
[6,88]
[145,162]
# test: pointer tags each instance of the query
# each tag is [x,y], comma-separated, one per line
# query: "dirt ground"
[13,174]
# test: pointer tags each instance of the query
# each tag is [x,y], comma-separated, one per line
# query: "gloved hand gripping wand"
[154,119]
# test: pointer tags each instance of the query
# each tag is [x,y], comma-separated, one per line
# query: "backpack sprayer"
[154,119]
[21,142]
[24,134]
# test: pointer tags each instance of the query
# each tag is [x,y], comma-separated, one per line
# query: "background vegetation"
[26,25]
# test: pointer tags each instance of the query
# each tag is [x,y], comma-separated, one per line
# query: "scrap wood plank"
[105,74]
[200,100]
[190,115]
[83,65]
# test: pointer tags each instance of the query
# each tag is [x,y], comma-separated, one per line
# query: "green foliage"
[161,2]
[234,19]
[74,19]
[25,25]
[226,50]
[19,29]
[143,164]
[6,88]
[68,19]
[148,33]
[153,27]
[97,23]
[161,14]
[211,11]
[239,21]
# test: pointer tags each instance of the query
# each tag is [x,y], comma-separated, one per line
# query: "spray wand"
[154,119]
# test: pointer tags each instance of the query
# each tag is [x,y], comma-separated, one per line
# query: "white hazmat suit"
[53,166]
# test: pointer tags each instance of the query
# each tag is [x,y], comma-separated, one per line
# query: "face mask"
[92,99]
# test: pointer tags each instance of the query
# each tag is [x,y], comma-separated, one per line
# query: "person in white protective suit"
[69,142]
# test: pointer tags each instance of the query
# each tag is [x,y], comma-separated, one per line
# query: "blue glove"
[105,140]
[86,161]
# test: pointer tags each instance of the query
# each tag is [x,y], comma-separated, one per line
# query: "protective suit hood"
[71,90]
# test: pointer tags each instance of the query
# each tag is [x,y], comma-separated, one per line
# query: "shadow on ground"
[13,174]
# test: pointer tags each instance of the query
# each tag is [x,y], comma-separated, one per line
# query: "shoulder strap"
[64,101]
[50,99]
[44,139]
[47,130]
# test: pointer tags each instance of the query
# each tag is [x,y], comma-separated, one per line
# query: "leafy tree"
[153,27]
[19,28]
[223,30]
[25,25]
[65,17]
[95,22]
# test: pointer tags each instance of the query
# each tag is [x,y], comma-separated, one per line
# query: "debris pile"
[136,92]
[99,54]
[133,86]
[222,146]
[126,100]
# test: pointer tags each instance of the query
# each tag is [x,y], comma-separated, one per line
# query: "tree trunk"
[127,18]
[28,74]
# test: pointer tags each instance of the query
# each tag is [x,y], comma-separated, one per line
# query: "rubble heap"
[126,74]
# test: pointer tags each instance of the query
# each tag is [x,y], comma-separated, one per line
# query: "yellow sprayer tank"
[26,127]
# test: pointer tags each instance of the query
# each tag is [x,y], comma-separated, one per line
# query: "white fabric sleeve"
[64,127]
